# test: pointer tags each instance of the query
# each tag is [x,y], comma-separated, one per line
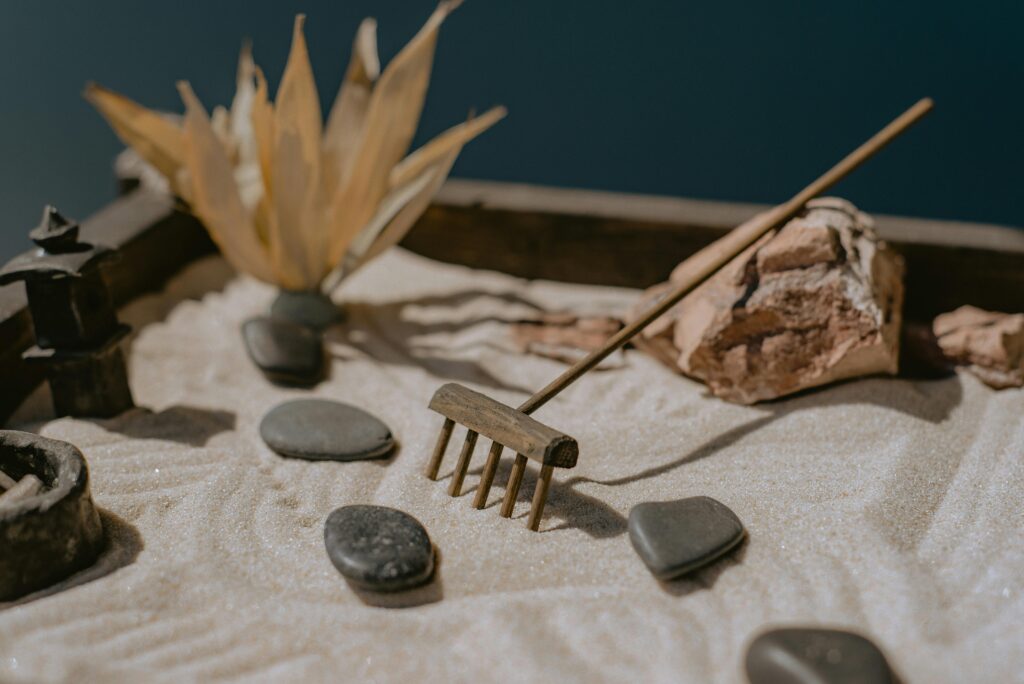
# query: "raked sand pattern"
[889,507]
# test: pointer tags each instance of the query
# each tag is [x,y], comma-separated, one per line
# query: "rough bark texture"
[987,343]
[816,301]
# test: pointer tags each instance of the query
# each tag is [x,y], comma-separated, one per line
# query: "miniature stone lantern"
[77,332]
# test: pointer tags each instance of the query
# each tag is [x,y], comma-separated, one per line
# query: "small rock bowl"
[49,536]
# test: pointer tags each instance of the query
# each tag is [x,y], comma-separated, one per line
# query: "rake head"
[506,427]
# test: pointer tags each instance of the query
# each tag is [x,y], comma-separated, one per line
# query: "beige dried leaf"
[454,138]
[214,193]
[348,115]
[149,133]
[296,162]
[285,198]
[241,123]
[391,120]
[397,214]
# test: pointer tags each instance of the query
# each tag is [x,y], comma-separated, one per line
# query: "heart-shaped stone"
[674,538]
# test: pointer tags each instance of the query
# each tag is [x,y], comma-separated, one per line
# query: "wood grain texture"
[505,425]
[442,443]
[487,476]
[515,480]
[455,487]
[540,498]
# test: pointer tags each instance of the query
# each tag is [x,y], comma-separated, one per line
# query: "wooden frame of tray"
[581,236]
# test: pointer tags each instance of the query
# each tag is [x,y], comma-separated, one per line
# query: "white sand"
[885,506]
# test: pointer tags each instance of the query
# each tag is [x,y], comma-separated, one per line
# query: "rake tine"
[442,443]
[515,479]
[540,497]
[455,488]
[487,478]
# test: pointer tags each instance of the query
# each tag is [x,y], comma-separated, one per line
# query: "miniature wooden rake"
[552,449]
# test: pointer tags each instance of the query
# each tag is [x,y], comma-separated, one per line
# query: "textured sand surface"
[886,506]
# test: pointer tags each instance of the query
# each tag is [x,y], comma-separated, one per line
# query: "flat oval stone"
[313,309]
[324,430]
[816,656]
[677,537]
[286,352]
[378,548]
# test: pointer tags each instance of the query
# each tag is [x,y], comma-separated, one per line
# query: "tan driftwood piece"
[817,301]
[6,481]
[562,336]
[26,487]
[989,344]
[688,276]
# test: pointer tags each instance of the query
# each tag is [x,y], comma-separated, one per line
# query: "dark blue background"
[738,101]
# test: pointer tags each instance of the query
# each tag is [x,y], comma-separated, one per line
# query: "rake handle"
[707,261]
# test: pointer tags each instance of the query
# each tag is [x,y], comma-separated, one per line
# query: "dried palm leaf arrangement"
[288,199]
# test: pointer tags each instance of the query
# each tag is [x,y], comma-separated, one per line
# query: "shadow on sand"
[123,544]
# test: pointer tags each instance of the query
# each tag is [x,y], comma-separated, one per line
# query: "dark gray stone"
[378,548]
[287,353]
[46,537]
[816,656]
[323,430]
[677,537]
[311,308]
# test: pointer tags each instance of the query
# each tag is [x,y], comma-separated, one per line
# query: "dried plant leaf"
[286,198]
[296,162]
[454,137]
[567,337]
[287,258]
[295,187]
[390,207]
[395,107]
[265,217]
[264,131]
[240,130]
[348,114]
[149,133]
[220,123]
[214,194]
[407,217]
[241,125]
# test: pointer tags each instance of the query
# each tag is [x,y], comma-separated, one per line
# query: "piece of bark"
[816,301]
[563,336]
[988,344]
